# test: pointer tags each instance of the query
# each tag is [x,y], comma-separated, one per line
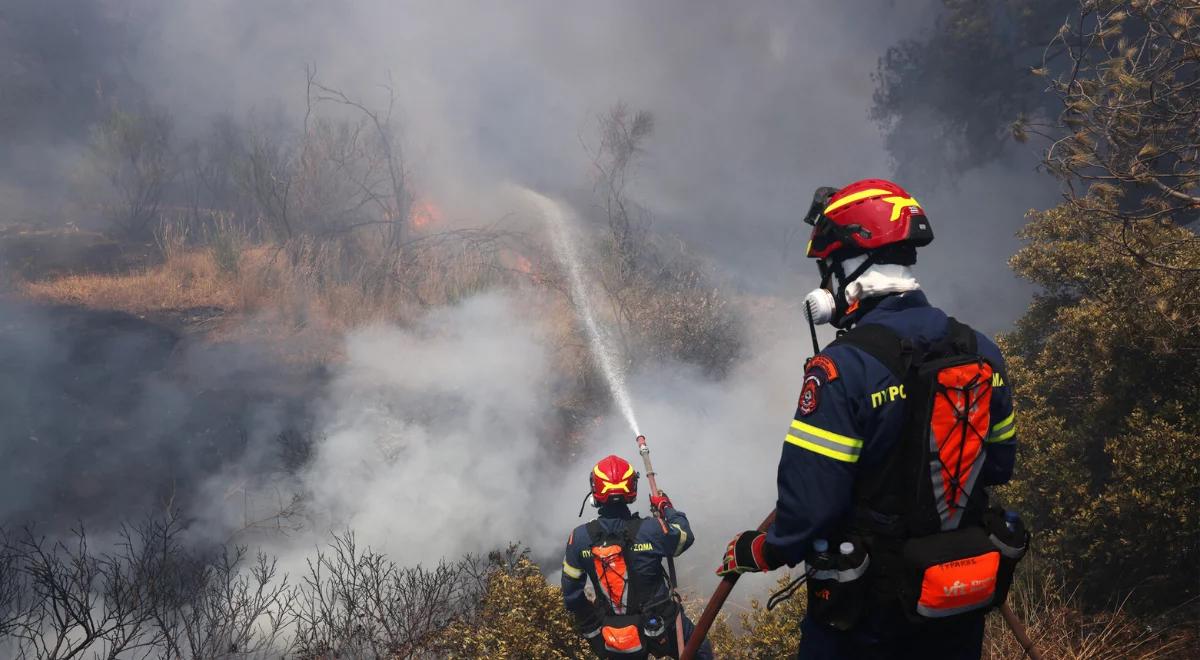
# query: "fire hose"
[715,603]
[651,477]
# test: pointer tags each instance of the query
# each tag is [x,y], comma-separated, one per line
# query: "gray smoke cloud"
[427,438]
[757,105]
[432,442]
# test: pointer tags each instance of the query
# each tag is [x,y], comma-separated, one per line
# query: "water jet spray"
[606,354]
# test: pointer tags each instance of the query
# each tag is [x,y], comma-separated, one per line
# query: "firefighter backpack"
[936,548]
[632,627]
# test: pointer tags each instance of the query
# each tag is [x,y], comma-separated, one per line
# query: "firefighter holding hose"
[635,613]
[901,424]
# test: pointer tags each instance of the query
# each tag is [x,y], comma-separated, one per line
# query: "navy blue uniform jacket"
[854,418]
[651,545]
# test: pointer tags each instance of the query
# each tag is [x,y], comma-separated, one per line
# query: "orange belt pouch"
[949,575]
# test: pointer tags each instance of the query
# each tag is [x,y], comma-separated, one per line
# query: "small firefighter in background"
[634,612]
[901,423]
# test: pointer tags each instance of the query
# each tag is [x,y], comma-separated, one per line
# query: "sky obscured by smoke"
[756,104]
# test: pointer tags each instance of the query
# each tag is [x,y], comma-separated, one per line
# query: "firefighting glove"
[661,502]
[748,552]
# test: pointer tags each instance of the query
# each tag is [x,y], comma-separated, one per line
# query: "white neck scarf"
[878,280]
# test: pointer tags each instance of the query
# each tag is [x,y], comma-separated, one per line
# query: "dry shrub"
[339,286]
[765,634]
[681,315]
[521,616]
[355,602]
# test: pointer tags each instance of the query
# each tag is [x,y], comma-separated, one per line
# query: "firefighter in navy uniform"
[634,612]
[881,494]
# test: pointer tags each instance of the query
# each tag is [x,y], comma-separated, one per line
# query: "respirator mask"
[828,303]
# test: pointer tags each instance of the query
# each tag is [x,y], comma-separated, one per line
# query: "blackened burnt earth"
[105,416]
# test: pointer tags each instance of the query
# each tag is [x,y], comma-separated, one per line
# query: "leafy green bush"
[1106,367]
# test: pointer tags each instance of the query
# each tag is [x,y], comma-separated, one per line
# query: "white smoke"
[428,444]
[431,448]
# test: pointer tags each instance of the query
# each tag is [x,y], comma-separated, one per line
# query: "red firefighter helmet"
[614,481]
[865,216]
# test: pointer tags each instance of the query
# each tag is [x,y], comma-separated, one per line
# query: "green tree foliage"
[946,99]
[1106,366]
[1107,359]
[1131,106]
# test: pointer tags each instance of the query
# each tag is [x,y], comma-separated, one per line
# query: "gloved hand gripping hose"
[715,603]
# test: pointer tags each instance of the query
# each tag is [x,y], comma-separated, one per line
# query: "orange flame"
[424,213]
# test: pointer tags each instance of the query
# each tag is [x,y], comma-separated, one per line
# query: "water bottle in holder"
[822,580]
[852,563]
[835,585]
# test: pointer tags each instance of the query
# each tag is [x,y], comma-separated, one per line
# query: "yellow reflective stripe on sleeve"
[826,443]
[1005,430]
[571,572]
[1003,436]
[1005,422]
[682,540]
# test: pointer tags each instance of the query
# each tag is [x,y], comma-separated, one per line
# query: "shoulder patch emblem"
[810,396]
[824,364]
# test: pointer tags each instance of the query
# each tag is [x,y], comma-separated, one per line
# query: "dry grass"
[1062,632]
[184,281]
[265,283]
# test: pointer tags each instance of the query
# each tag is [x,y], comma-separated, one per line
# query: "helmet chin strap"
[841,311]
[587,498]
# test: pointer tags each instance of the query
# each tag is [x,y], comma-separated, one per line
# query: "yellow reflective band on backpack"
[826,443]
[571,572]
[1005,430]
